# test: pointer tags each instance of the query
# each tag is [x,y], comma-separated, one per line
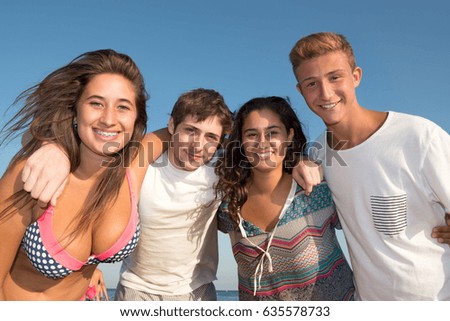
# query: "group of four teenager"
[89,187]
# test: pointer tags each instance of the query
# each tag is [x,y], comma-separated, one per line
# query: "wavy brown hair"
[233,168]
[47,114]
[202,103]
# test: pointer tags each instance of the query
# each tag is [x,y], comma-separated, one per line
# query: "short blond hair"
[319,44]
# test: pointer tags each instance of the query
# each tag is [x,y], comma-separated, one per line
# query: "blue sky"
[239,48]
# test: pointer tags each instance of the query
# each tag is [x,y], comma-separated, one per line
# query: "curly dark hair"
[233,168]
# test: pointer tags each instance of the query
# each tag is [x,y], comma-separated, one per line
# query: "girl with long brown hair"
[94,108]
[283,241]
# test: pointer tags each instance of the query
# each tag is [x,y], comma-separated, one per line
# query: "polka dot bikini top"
[51,259]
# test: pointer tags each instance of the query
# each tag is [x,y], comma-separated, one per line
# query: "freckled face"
[106,114]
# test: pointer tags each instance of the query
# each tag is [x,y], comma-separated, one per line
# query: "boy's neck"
[362,124]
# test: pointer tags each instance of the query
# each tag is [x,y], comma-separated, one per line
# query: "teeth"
[329,106]
[263,155]
[106,134]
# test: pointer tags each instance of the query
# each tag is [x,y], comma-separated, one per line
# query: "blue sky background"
[239,48]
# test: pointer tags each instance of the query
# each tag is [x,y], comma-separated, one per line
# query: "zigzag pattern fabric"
[308,263]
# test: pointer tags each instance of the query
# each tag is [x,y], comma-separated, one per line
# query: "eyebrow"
[306,79]
[213,135]
[267,128]
[103,98]
[314,77]
[197,129]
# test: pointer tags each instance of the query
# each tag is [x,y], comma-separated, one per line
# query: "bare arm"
[153,145]
[12,226]
[46,171]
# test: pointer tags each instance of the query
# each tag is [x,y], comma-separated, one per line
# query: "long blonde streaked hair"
[48,111]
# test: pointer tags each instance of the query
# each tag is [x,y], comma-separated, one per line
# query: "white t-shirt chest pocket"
[389,213]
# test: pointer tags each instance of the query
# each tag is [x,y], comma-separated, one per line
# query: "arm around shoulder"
[152,146]
[155,143]
[307,174]
[45,173]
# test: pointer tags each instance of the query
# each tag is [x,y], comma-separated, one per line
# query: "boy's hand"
[442,233]
[307,174]
[45,173]
[98,283]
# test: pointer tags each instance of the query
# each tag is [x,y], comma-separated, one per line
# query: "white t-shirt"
[390,191]
[177,250]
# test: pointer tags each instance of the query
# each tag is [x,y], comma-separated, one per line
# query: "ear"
[170,126]
[290,136]
[299,88]
[357,75]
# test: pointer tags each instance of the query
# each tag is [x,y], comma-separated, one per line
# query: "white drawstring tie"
[265,253]
[260,267]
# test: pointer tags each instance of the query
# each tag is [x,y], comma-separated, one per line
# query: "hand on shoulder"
[307,174]
[45,173]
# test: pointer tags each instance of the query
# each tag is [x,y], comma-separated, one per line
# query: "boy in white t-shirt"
[177,254]
[388,173]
